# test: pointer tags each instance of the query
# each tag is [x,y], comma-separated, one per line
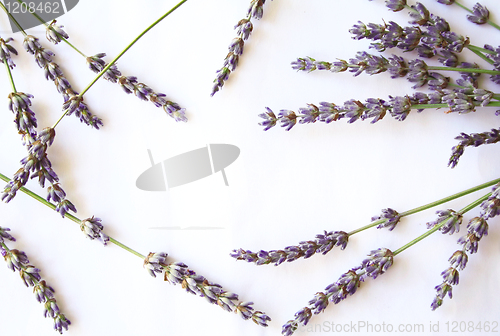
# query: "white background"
[284,188]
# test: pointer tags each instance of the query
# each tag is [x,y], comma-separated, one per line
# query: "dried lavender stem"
[69,216]
[10,75]
[103,71]
[472,70]
[437,227]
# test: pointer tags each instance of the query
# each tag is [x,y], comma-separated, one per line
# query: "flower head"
[55,32]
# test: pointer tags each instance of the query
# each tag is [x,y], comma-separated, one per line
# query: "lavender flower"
[55,32]
[323,244]
[243,28]
[92,228]
[480,14]
[377,263]
[448,220]
[155,262]
[18,261]
[390,218]
[491,207]
[420,14]
[5,52]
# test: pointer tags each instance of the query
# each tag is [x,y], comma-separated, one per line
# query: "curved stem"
[437,227]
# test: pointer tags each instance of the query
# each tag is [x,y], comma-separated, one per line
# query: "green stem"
[10,74]
[437,227]
[478,52]
[130,45]
[431,205]
[12,18]
[425,106]
[69,216]
[474,70]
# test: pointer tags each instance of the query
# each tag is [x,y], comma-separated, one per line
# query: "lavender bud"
[418,73]
[309,114]
[449,220]
[478,227]
[55,32]
[469,242]
[154,263]
[92,227]
[288,119]
[446,2]
[328,112]
[420,14]
[5,235]
[397,66]
[400,107]
[458,260]
[304,64]
[437,81]
[391,219]
[377,263]
[395,5]
[354,110]
[450,276]
[244,28]
[5,52]
[448,58]
[480,14]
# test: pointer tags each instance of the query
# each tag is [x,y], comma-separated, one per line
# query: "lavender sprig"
[323,244]
[131,85]
[174,272]
[377,263]
[472,140]
[18,261]
[179,273]
[459,100]
[477,228]
[244,28]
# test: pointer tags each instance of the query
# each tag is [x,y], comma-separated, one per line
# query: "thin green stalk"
[437,227]
[10,75]
[479,53]
[474,70]
[431,205]
[69,216]
[103,71]
[426,106]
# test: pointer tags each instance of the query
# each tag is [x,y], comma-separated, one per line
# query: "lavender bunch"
[477,228]
[243,28]
[429,35]
[377,263]
[179,273]
[18,261]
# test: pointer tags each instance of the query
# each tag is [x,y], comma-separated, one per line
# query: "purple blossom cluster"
[477,228]
[92,228]
[37,163]
[130,85]
[459,100]
[323,244]
[472,140]
[54,32]
[389,219]
[72,102]
[179,273]
[5,52]
[244,28]
[18,261]
[377,263]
